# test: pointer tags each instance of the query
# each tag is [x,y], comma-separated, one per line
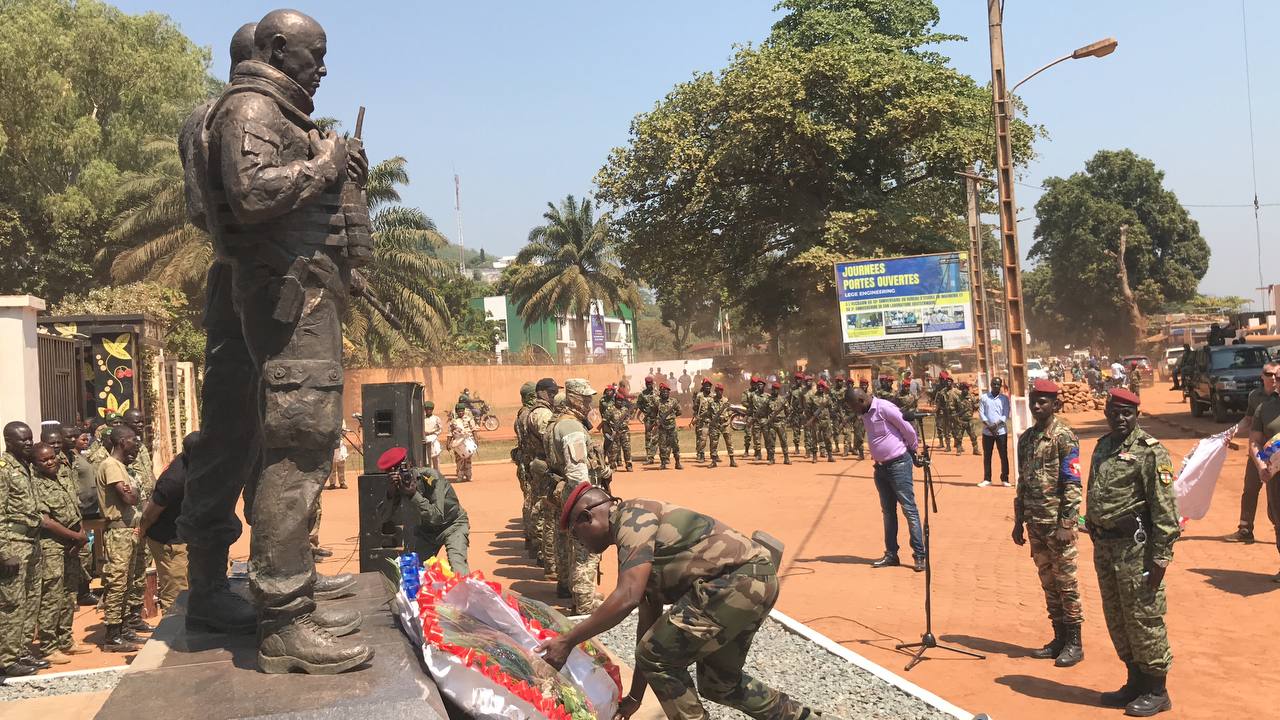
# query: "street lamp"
[1101,48]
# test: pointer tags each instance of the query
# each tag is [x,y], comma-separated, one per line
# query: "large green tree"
[82,85]
[839,137]
[567,264]
[1076,293]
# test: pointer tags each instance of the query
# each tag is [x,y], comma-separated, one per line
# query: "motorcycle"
[483,416]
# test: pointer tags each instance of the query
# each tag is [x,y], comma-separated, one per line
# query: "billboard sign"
[893,306]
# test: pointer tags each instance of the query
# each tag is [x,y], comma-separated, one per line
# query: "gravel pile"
[40,687]
[805,671]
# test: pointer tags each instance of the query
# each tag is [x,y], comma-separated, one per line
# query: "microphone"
[913,415]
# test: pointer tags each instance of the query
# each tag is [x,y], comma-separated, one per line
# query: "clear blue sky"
[525,99]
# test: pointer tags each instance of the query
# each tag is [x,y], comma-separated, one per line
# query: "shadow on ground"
[988,646]
[1049,690]
[1239,582]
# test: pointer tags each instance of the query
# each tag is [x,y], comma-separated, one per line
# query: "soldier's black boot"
[1127,694]
[332,587]
[861,455]
[303,645]
[732,462]
[678,465]
[1072,648]
[211,604]
[134,622]
[757,453]
[830,457]
[1050,651]
[1153,700]
[715,461]
[629,468]
[116,643]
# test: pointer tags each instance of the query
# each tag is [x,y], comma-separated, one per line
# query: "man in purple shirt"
[892,442]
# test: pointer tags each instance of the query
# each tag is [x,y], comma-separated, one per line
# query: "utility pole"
[1014,319]
[977,284]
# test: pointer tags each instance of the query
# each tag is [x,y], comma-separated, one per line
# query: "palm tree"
[568,263]
[159,245]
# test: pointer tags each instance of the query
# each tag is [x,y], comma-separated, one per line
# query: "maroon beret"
[1121,396]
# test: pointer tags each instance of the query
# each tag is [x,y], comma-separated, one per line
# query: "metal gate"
[59,381]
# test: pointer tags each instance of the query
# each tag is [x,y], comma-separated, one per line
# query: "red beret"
[621,395]
[798,376]
[706,381]
[568,503]
[944,375]
[719,386]
[1121,396]
[777,386]
[648,379]
[755,379]
[1044,387]
[822,383]
[391,458]
[664,386]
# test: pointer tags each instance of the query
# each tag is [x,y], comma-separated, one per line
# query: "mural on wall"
[113,368]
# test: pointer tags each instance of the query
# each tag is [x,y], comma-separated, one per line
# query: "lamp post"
[1014,337]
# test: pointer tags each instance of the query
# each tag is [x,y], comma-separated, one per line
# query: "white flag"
[1199,474]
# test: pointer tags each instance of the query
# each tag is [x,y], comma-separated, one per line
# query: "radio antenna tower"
[457,214]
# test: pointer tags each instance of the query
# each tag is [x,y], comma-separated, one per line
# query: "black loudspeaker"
[392,417]
[380,542]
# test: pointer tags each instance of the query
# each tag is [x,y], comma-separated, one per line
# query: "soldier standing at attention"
[144,470]
[699,427]
[1135,378]
[820,411]
[942,411]
[795,409]
[762,413]
[842,433]
[616,420]
[19,553]
[532,435]
[518,456]
[123,577]
[753,428]
[1132,518]
[859,430]
[647,406]
[749,402]
[717,424]
[569,454]
[720,583]
[1047,505]
[665,413]
[60,543]
[775,427]
[963,403]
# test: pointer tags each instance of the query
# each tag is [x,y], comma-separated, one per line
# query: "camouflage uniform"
[942,416]
[647,406]
[541,486]
[665,414]
[58,576]
[842,433]
[715,418]
[820,416]
[775,425]
[1048,498]
[721,586]
[700,429]
[522,477]
[437,519]
[1131,486]
[795,414]
[124,575]
[569,454]
[963,405]
[753,430]
[617,436]
[750,432]
[1135,381]
[19,593]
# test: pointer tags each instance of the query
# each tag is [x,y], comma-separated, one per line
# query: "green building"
[565,338]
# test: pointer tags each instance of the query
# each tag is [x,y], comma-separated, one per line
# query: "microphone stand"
[927,640]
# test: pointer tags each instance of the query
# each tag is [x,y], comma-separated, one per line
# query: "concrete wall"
[20,358]
[498,384]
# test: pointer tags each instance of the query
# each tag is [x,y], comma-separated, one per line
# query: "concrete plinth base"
[182,675]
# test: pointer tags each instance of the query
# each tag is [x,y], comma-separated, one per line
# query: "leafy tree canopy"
[1073,295]
[82,86]
[838,138]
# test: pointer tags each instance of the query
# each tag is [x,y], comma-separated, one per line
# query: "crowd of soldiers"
[554,453]
[52,488]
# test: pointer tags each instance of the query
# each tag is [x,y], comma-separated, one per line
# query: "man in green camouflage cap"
[1132,517]
[534,426]
[572,462]
[721,585]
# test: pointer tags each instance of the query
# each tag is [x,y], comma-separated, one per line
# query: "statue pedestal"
[181,675]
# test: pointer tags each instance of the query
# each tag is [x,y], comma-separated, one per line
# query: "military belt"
[759,569]
[20,530]
[1124,528]
[118,525]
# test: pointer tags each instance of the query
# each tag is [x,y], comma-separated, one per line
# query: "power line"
[1255,204]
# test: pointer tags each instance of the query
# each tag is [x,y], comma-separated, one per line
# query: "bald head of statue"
[242,45]
[293,43]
